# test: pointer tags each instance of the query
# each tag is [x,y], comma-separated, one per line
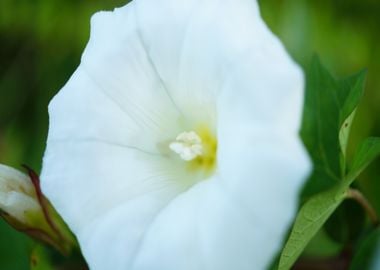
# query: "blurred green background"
[41,42]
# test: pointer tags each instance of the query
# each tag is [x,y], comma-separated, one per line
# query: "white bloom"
[174,146]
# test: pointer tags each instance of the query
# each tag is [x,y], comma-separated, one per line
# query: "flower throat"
[197,148]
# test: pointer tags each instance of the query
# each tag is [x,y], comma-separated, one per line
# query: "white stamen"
[188,145]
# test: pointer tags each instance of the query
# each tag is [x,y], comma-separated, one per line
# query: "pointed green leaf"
[365,154]
[328,113]
[352,89]
[310,219]
[344,134]
[320,127]
[329,110]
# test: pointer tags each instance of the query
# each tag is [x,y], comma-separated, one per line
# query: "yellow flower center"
[198,148]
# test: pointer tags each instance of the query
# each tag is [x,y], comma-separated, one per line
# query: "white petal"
[86,180]
[108,195]
[265,173]
[260,155]
[114,81]
[237,219]
[196,46]
[106,125]
[211,231]
[260,93]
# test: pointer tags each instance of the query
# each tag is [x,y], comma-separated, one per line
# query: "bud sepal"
[25,208]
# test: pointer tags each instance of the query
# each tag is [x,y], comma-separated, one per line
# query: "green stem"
[359,198]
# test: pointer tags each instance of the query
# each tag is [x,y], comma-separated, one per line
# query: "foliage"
[328,113]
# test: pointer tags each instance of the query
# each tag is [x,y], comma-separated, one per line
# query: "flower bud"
[25,208]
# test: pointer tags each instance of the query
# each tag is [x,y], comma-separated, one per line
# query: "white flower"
[175,143]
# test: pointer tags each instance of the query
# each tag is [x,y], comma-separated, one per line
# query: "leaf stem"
[359,198]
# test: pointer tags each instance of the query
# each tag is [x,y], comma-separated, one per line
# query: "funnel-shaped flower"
[175,143]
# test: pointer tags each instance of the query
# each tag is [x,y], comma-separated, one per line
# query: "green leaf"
[310,219]
[328,113]
[352,89]
[320,127]
[365,154]
[367,256]
[344,134]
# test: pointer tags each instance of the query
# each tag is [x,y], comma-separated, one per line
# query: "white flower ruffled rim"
[175,143]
